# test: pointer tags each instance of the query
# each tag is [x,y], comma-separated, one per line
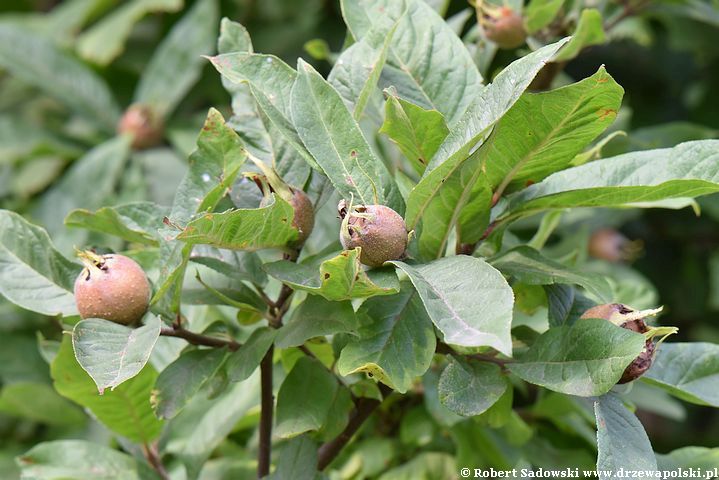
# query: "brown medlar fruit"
[143,124]
[378,230]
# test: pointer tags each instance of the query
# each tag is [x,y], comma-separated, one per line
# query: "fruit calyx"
[630,319]
[377,230]
[112,287]
[501,24]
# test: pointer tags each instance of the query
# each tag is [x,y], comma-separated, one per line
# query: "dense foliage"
[374,262]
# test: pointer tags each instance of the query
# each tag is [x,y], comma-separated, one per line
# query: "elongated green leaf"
[417,132]
[314,318]
[244,228]
[213,169]
[589,31]
[621,439]
[136,222]
[417,63]
[337,144]
[177,62]
[565,305]
[104,164]
[585,359]
[357,71]
[79,460]
[183,378]
[32,273]
[543,132]
[469,388]
[297,460]
[689,371]
[125,410]
[528,266]
[450,181]
[242,363]
[105,40]
[231,263]
[689,457]
[320,391]
[111,353]
[690,169]
[451,290]
[340,278]
[396,341]
[38,402]
[38,62]
[540,13]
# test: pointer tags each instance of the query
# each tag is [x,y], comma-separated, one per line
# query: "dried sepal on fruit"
[113,287]
[501,24]
[378,230]
[626,317]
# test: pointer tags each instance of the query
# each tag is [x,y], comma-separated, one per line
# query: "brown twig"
[199,339]
[266,411]
[153,458]
[363,409]
[444,349]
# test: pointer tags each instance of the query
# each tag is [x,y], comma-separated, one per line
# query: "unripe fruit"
[505,27]
[145,126]
[113,287]
[304,218]
[608,244]
[626,317]
[377,229]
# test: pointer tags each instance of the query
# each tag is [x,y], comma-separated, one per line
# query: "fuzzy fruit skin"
[506,30]
[117,290]
[143,124]
[304,219]
[612,312]
[380,232]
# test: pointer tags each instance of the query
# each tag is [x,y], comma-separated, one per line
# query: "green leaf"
[219,156]
[565,305]
[688,170]
[111,353]
[105,40]
[125,410]
[689,457]
[177,62]
[450,182]
[469,388]
[543,132]
[540,13]
[40,403]
[585,359]
[320,393]
[424,465]
[242,363]
[528,266]
[297,459]
[417,132]
[136,222]
[621,439]
[317,317]
[451,289]
[337,144]
[357,70]
[79,460]
[244,228]
[340,278]
[33,274]
[689,371]
[103,164]
[589,31]
[233,37]
[184,378]
[38,62]
[231,263]
[396,341]
[417,63]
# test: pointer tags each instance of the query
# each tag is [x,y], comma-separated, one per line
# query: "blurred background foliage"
[666,56]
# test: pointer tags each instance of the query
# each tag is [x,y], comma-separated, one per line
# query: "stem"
[153,458]
[444,349]
[267,407]
[198,339]
[362,411]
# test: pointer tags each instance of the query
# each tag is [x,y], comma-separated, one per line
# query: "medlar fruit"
[609,244]
[113,287]
[304,219]
[145,126]
[377,229]
[633,320]
[503,26]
